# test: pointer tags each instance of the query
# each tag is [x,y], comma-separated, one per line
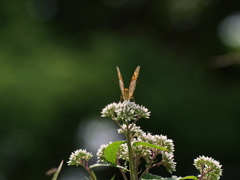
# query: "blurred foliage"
[58,59]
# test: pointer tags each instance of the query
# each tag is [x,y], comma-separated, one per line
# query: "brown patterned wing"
[121,84]
[133,82]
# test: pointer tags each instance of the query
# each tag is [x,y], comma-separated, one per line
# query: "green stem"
[133,173]
[150,167]
[91,173]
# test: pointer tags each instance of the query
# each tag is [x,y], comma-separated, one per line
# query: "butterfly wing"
[133,82]
[121,84]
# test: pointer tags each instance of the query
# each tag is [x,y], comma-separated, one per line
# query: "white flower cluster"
[125,111]
[159,140]
[100,154]
[168,159]
[135,130]
[162,141]
[79,157]
[209,168]
[141,151]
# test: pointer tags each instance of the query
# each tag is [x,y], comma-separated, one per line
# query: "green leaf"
[189,177]
[150,176]
[109,165]
[57,171]
[111,151]
[149,145]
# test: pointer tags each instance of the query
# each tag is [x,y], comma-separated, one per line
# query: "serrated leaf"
[149,145]
[189,177]
[150,176]
[111,151]
[108,165]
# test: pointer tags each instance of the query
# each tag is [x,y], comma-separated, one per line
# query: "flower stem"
[91,173]
[150,167]
[133,173]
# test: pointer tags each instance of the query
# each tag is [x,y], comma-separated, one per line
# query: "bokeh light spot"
[229,30]
[94,132]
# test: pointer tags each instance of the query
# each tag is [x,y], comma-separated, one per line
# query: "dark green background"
[58,59]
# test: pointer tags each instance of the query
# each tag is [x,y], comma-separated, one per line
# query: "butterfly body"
[127,93]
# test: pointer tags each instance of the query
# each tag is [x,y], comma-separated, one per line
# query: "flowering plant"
[139,147]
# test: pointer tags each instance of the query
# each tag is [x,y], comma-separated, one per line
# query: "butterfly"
[127,93]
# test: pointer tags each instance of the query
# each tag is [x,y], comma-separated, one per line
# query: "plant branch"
[150,167]
[133,173]
[122,172]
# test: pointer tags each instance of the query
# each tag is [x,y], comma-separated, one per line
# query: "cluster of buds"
[125,111]
[208,167]
[80,157]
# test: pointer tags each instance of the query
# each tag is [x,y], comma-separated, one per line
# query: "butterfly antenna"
[115,81]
